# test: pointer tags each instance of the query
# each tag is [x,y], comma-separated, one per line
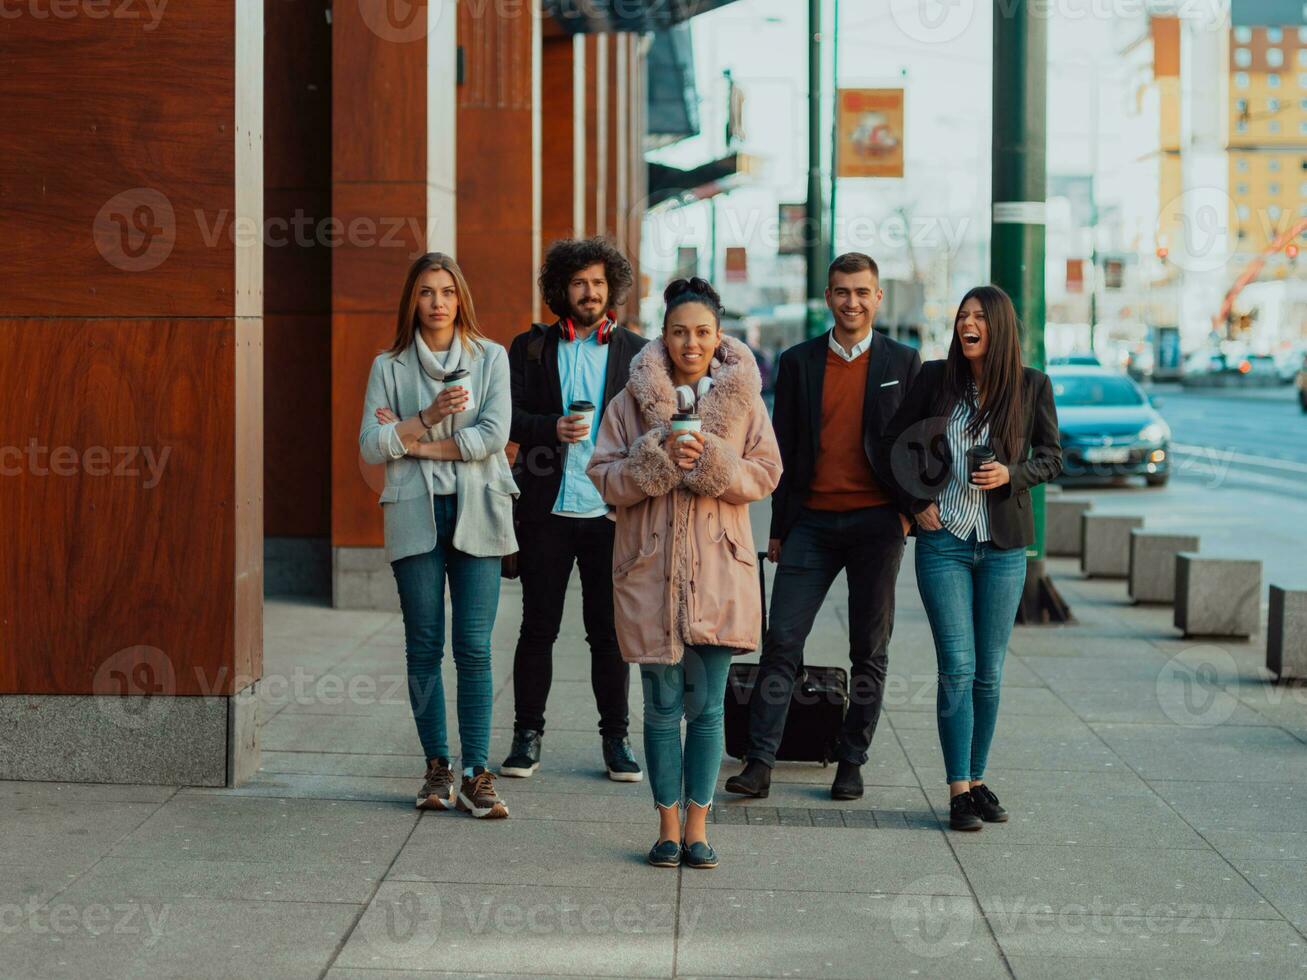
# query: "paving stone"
[1106,550]
[1152,563]
[1217,596]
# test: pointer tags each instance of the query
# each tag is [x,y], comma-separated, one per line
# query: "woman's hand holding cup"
[450,401]
[684,447]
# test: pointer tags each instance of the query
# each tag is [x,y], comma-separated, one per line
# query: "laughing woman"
[436,413]
[991,423]
[685,578]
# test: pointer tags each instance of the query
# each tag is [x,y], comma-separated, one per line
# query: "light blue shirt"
[582,370]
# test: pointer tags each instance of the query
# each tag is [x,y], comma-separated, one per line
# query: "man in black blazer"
[832,512]
[561,519]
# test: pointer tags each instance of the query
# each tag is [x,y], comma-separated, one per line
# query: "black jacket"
[796,414]
[538,405]
[914,452]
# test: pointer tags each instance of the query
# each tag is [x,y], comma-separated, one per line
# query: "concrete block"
[178,741]
[359,559]
[243,735]
[1106,551]
[1217,596]
[1062,530]
[1152,563]
[362,579]
[1286,633]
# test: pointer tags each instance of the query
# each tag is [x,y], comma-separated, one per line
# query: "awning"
[593,16]
[671,187]
[673,96]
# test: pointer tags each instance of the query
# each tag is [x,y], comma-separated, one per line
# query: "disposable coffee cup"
[978,456]
[584,409]
[458,378]
[684,422]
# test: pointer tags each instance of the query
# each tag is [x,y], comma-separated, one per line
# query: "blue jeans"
[474,596]
[694,689]
[971,591]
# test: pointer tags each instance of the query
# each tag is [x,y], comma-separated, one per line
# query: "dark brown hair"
[1001,383]
[568,256]
[851,262]
[406,325]
[695,290]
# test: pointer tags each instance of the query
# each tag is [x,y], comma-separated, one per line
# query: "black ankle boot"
[848,782]
[754,780]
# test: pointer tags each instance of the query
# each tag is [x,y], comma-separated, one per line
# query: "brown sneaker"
[478,797]
[437,792]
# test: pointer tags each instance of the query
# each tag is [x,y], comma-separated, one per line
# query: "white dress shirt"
[860,348]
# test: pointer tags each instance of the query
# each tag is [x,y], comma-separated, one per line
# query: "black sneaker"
[987,804]
[437,792]
[754,780]
[524,757]
[962,813]
[848,782]
[620,762]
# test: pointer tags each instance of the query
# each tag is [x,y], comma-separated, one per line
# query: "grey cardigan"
[484,526]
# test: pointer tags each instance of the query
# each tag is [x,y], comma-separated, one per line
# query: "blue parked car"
[1110,428]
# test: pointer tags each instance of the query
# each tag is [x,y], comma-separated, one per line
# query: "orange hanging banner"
[869,128]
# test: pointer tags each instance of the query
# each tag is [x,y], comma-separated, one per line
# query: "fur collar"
[736,383]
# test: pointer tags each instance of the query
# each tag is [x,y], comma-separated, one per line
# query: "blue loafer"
[700,854]
[665,854]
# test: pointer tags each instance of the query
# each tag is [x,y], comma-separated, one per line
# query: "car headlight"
[1154,432]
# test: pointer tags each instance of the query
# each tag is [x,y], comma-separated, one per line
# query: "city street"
[1240,469]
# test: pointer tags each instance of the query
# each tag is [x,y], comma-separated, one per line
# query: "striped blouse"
[962,507]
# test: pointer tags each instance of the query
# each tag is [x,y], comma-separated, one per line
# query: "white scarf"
[433,377]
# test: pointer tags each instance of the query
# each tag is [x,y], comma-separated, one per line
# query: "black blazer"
[796,414]
[914,453]
[538,405]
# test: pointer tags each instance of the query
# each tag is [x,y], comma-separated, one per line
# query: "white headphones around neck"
[687,398]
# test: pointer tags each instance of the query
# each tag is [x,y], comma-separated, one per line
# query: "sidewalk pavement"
[1158,791]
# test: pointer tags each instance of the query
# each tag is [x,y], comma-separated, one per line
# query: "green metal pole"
[1017,232]
[834,131]
[815,244]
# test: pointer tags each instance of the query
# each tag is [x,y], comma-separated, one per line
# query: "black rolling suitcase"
[817,706]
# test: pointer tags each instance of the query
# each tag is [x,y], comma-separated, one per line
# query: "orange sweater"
[842,478]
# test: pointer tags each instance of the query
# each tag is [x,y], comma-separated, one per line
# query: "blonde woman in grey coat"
[436,414]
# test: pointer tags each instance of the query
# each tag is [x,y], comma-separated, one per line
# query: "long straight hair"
[406,324]
[1002,380]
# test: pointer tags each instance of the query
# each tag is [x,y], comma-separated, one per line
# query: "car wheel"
[1157,480]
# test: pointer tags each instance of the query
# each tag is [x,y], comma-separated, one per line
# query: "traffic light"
[1291,251]
[1162,252]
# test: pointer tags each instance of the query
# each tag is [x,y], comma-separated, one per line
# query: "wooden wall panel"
[379,196]
[103,552]
[497,233]
[382,230]
[95,108]
[379,91]
[557,141]
[297,390]
[356,339]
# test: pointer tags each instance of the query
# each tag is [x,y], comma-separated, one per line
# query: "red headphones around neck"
[605,328]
